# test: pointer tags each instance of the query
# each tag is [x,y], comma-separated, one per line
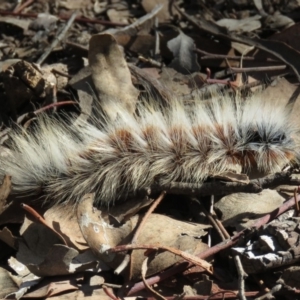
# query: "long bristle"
[177,143]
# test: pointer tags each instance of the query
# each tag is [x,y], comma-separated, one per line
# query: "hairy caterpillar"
[178,143]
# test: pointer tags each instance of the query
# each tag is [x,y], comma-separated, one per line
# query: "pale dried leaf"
[44,21]
[163,14]
[74,4]
[243,25]
[240,207]
[278,21]
[51,287]
[110,74]
[7,237]
[20,23]
[158,230]
[24,278]
[5,190]
[241,48]
[118,16]
[7,285]
[291,277]
[185,58]
[65,222]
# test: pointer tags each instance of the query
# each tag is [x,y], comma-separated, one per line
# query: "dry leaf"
[19,23]
[64,222]
[40,250]
[74,4]
[7,285]
[52,287]
[158,230]
[163,14]
[240,207]
[185,58]
[110,74]
[291,277]
[44,21]
[243,25]
[24,278]
[5,190]
[278,21]
[7,237]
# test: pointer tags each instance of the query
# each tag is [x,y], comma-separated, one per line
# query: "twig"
[127,259]
[233,70]
[195,260]
[145,218]
[148,287]
[209,232]
[212,221]
[282,51]
[112,285]
[297,209]
[229,57]
[54,71]
[64,17]
[222,294]
[57,104]
[123,264]
[28,116]
[215,249]
[137,24]
[258,69]
[223,187]
[21,7]
[242,276]
[274,290]
[58,39]
[142,224]
[150,61]
[221,227]
[108,291]
[41,220]
[210,80]
[157,40]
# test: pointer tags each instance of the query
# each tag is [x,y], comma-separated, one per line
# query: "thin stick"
[63,17]
[148,287]
[258,69]
[270,294]
[142,224]
[212,220]
[127,259]
[224,187]
[215,249]
[41,220]
[297,209]
[21,7]
[229,57]
[242,276]
[145,218]
[125,262]
[58,39]
[56,104]
[108,291]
